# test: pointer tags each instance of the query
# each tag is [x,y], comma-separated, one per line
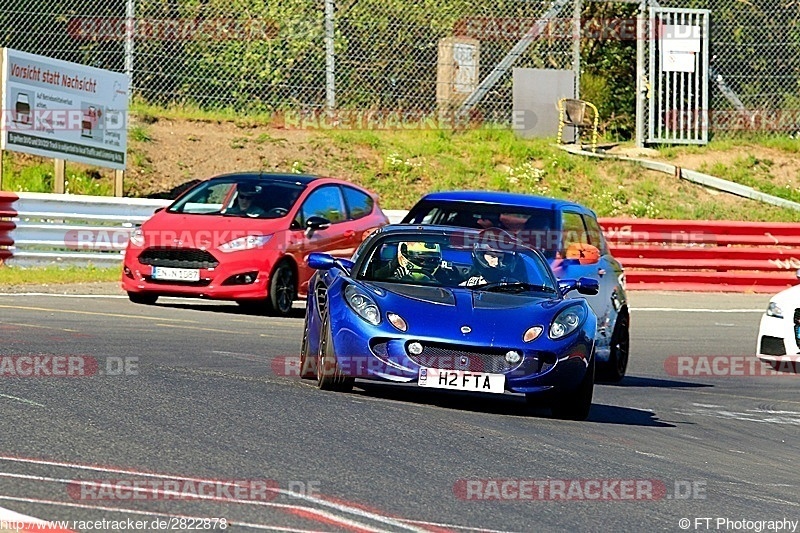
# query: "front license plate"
[176,274]
[461,380]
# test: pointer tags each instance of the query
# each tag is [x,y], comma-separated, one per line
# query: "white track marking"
[153,513]
[108,296]
[244,356]
[23,400]
[194,497]
[453,526]
[37,326]
[319,501]
[691,310]
[7,515]
[96,313]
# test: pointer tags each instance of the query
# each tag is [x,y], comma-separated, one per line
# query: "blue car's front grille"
[469,358]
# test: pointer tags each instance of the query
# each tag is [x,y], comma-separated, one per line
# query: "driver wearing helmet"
[418,261]
[489,265]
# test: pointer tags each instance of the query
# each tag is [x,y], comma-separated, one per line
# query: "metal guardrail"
[699,178]
[43,229]
[40,228]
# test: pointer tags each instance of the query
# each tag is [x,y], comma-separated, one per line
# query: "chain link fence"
[384,55]
[754,65]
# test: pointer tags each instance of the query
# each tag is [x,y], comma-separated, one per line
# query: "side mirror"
[316,223]
[158,210]
[321,261]
[588,286]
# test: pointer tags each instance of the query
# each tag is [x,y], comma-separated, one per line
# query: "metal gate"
[678,91]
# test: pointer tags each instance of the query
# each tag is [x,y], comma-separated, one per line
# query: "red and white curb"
[14,522]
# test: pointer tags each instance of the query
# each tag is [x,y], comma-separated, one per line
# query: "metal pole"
[641,90]
[511,57]
[330,60]
[576,46]
[130,29]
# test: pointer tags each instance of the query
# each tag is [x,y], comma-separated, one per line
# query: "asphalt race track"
[189,394]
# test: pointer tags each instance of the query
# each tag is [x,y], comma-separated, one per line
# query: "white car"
[779,332]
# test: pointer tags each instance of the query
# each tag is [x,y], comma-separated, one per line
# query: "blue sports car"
[451,308]
[570,238]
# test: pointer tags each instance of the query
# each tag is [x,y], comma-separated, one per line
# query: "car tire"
[308,368]
[329,375]
[143,298]
[614,370]
[282,289]
[575,404]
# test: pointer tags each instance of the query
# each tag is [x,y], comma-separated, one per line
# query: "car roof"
[275,176]
[418,229]
[502,198]
[436,229]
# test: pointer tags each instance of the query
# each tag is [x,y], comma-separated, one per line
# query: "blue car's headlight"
[567,321]
[362,304]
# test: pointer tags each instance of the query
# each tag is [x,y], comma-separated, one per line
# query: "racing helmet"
[493,264]
[425,256]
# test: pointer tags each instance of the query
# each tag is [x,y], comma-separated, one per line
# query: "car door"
[577,229]
[611,277]
[573,231]
[361,223]
[337,239]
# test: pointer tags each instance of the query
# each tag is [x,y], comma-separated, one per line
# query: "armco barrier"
[40,228]
[705,255]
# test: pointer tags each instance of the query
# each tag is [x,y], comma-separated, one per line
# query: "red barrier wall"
[697,255]
[7,211]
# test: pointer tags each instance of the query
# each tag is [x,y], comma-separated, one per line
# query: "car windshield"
[240,198]
[535,227]
[457,260]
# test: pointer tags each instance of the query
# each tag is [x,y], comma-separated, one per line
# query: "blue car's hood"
[494,318]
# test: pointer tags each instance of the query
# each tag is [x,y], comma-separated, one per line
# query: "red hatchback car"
[245,237]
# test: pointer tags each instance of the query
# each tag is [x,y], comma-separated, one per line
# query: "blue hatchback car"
[451,308]
[571,239]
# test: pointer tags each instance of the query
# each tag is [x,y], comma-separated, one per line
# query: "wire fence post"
[641,87]
[330,58]
[130,29]
[576,46]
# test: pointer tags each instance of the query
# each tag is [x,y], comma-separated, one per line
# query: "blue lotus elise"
[451,308]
